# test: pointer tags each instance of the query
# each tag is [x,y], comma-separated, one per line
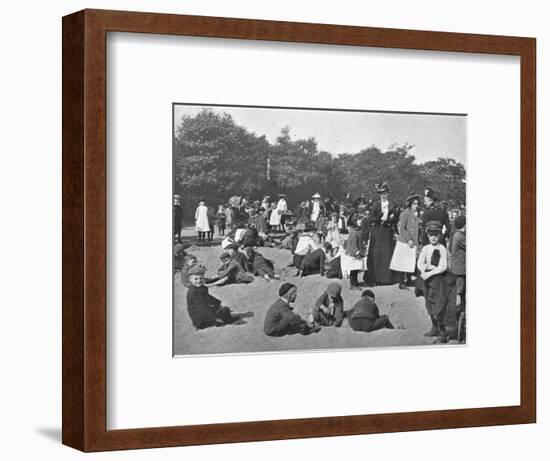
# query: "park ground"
[403,307]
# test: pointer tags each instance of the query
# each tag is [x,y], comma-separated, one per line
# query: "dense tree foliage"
[215,158]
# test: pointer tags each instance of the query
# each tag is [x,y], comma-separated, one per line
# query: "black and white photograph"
[300,229]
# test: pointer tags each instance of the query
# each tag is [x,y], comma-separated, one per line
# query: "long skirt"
[380,254]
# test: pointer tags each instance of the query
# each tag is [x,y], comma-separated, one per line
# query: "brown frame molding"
[85,245]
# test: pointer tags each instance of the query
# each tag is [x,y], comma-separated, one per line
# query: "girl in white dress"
[201,220]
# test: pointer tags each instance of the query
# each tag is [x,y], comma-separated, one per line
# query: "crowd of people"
[419,244]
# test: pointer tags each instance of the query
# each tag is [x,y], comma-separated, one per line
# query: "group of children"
[207,311]
[341,248]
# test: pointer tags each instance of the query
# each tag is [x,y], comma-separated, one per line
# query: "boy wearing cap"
[365,315]
[329,308]
[432,264]
[205,310]
[232,270]
[280,319]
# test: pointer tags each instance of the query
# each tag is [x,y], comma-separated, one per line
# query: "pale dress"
[275,218]
[201,219]
[333,235]
[316,210]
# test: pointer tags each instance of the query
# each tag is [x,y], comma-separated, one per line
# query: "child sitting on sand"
[205,310]
[259,265]
[365,315]
[328,310]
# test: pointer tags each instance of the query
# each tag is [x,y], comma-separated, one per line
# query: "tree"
[448,176]
[215,158]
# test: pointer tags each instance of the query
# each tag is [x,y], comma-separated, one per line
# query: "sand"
[403,308]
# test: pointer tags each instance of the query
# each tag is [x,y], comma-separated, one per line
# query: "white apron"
[404,258]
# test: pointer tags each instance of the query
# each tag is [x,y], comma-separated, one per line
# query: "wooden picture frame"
[85,222]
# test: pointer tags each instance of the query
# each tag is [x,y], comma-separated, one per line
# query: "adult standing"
[202,225]
[381,238]
[265,202]
[229,217]
[406,247]
[457,259]
[316,207]
[178,217]
[433,212]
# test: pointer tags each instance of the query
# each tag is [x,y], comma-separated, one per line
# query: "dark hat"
[285,288]
[196,270]
[224,255]
[412,196]
[433,227]
[431,192]
[460,222]
[232,246]
[369,293]
[382,188]
[334,289]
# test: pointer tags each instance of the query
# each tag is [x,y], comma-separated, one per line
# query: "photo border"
[85,245]
[170,234]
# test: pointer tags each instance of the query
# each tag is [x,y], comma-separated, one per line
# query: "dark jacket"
[408,226]
[314,262]
[281,320]
[202,307]
[260,265]
[458,253]
[365,308]
[436,214]
[355,245]
[376,216]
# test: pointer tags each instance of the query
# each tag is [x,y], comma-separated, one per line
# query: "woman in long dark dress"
[382,240]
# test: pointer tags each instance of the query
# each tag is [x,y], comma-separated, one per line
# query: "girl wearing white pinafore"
[201,220]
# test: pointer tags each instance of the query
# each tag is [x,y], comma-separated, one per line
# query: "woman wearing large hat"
[315,206]
[381,238]
[406,247]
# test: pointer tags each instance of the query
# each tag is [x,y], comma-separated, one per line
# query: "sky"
[338,132]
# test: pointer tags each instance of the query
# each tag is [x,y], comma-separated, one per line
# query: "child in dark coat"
[280,319]
[365,315]
[259,265]
[205,310]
